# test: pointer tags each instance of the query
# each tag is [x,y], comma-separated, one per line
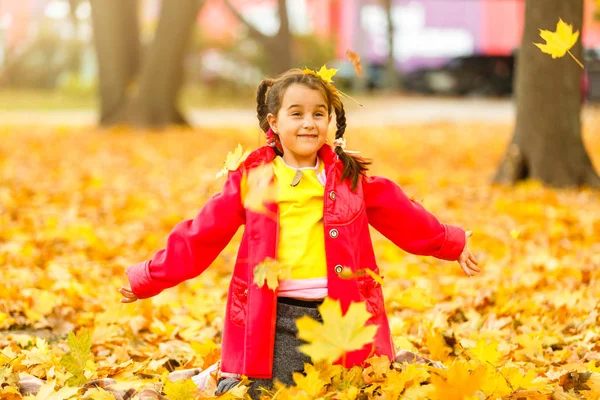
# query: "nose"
[309,122]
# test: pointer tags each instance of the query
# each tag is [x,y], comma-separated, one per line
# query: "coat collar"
[266,154]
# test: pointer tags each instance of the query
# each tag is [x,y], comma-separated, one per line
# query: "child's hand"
[130,297]
[467,260]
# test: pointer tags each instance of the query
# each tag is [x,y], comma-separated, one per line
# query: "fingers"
[469,233]
[129,296]
[465,268]
[128,300]
[473,266]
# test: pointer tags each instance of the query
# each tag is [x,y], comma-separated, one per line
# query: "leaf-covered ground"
[77,206]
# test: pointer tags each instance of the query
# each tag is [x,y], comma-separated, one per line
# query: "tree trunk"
[162,73]
[547,144]
[281,48]
[392,80]
[278,47]
[131,93]
[117,43]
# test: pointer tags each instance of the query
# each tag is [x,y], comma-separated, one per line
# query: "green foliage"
[80,348]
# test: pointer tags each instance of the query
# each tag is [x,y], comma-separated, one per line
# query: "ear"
[272,122]
[330,116]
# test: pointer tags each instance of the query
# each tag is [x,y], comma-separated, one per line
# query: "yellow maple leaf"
[560,42]
[337,334]
[437,346]
[47,392]
[377,370]
[99,394]
[259,188]
[414,298]
[180,390]
[398,381]
[271,271]
[486,351]
[312,384]
[327,73]
[324,73]
[233,160]
[458,382]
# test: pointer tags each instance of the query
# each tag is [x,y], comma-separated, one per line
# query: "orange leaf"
[355,58]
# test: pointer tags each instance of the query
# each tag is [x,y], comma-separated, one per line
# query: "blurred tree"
[547,143]
[139,91]
[392,78]
[277,47]
[76,47]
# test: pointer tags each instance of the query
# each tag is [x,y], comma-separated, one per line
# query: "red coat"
[249,331]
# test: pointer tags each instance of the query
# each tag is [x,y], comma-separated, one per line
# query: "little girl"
[324,207]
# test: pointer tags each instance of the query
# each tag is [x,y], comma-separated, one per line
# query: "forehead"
[303,95]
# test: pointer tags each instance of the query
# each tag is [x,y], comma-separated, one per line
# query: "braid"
[354,166]
[261,103]
[340,119]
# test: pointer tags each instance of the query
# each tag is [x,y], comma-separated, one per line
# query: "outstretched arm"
[193,244]
[408,224]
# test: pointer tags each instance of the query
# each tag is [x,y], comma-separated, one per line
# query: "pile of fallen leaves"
[77,206]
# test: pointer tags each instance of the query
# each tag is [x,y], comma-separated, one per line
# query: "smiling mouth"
[307,136]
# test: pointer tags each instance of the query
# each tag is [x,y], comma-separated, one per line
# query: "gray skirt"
[286,358]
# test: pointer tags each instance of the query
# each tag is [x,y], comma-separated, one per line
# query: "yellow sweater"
[301,242]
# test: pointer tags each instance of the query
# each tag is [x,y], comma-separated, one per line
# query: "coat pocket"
[239,301]
[370,292]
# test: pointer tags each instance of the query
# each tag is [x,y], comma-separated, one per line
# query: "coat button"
[332,195]
[338,269]
[333,233]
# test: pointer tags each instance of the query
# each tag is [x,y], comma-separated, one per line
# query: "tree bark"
[135,93]
[162,73]
[117,43]
[392,80]
[278,47]
[547,143]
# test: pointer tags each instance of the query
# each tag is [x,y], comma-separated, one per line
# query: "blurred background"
[80,54]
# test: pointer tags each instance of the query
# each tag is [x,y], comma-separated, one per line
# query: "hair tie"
[341,142]
[273,140]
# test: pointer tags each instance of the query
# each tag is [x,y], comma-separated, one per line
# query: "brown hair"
[269,97]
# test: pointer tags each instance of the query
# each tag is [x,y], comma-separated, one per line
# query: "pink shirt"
[303,289]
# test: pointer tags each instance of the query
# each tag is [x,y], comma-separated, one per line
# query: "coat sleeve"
[407,224]
[193,244]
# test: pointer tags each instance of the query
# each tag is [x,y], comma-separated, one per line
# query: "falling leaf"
[560,42]
[355,59]
[260,189]
[337,334]
[233,160]
[375,276]
[270,271]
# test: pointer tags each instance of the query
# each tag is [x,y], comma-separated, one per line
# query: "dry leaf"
[355,59]
[560,42]
[337,334]
[270,271]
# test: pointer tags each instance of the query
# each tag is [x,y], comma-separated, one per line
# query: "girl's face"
[301,124]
